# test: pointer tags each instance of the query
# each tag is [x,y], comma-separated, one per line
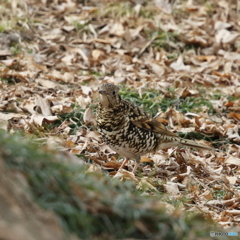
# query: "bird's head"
[108,95]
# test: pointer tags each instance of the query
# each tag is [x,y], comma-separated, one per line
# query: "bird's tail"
[194,144]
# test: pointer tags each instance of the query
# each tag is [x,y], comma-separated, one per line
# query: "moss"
[93,205]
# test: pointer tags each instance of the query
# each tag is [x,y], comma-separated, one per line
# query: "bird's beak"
[101,91]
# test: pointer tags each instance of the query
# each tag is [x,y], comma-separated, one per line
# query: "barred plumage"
[129,131]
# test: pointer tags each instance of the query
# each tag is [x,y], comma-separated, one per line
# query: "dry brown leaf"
[159,70]
[4,53]
[125,175]
[164,5]
[94,168]
[171,188]
[225,36]
[69,144]
[8,116]
[207,195]
[76,151]
[44,105]
[160,158]
[40,119]
[146,159]
[233,161]
[89,117]
[9,62]
[229,104]
[233,212]
[97,54]
[54,142]
[116,29]
[227,203]
[232,133]
[112,164]
[60,109]
[234,115]
[232,180]
[179,65]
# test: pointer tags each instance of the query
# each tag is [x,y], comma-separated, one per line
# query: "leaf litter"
[55,54]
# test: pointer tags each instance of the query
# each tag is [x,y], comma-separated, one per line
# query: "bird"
[130,131]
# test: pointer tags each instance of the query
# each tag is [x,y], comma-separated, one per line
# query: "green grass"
[15,49]
[152,101]
[219,193]
[6,25]
[75,118]
[188,104]
[162,41]
[118,10]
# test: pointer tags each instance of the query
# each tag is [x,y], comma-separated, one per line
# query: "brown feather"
[155,126]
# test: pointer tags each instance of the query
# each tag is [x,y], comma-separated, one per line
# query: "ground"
[179,61]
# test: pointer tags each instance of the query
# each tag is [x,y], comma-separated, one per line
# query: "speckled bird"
[130,131]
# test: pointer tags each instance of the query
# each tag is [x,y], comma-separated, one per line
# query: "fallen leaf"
[171,188]
[146,159]
[89,117]
[225,36]
[234,115]
[40,119]
[233,161]
[44,105]
[179,65]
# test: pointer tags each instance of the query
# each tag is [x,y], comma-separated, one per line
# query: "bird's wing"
[142,120]
[135,113]
[155,126]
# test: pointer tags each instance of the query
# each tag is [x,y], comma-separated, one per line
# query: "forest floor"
[178,62]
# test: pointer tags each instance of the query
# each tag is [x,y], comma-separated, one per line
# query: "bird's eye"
[114,92]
